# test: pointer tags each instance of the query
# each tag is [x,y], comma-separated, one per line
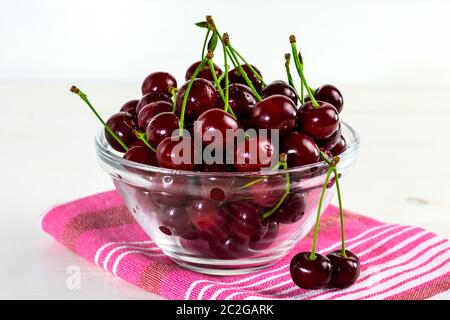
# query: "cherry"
[279,87]
[340,147]
[217,167]
[248,158]
[330,94]
[292,209]
[275,112]
[175,221]
[122,124]
[345,270]
[161,126]
[130,107]
[147,113]
[205,73]
[142,154]
[152,97]
[209,219]
[267,192]
[310,274]
[300,150]
[202,96]
[241,100]
[247,221]
[330,142]
[169,190]
[158,82]
[174,158]
[235,76]
[231,248]
[268,239]
[215,122]
[318,122]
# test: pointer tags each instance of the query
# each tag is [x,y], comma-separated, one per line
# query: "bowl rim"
[105,153]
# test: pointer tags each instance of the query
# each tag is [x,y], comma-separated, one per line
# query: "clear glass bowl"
[168,203]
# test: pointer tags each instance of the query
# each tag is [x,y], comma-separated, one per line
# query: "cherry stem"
[216,81]
[287,64]
[212,26]
[341,212]
[255,73]
[255,181]
[227,89]
[205,43]
[83,97]
[299,68]
[312,256]
[186,93]
[143,137]
[173,92]
[287,188]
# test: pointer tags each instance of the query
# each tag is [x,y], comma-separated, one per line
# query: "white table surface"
[48,157]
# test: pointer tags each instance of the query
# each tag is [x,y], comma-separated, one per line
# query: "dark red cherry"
[241,100]
[158,82]
[176,153]
[310,274]
[205,73]
[235,76]
[215,123]
[267,192]
[275,112]
[209,219]
[175,221]
[330,94]
[279,87]
[150,110]
[233,247]
[268,239]
[169,190]
[330,142]
[345,270]
[253,154]
[202,96]
[300,150]
[247,221]
[130,107]
[122,123]
[152,97]
[162,126]
[340,147]
[141,154]
[292,209]
[318,123]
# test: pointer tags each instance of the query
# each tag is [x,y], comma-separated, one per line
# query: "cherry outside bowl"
[205,221]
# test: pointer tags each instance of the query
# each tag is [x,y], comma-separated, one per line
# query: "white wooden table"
[47,157]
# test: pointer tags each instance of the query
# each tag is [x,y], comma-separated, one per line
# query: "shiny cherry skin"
[279,87]
[123,124]
[330,94]
[318,123]
[246,160]
[175,221]
[168,190]
[130,107]
[214,123]
[202,96]
[233,247]
[345,270]
[152,97]
[141,154]
[340,147]
[150,111]
[330,142]
[275,112]
[235,76]
[267,192]
[162,126]
[241,100]
[246,220]
[300,150]
[205,73]
[209,219]
[170,153]
[310,274]
[268,239]
[158,82]
[291,210]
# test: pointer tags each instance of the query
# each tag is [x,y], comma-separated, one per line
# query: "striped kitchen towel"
[397,262]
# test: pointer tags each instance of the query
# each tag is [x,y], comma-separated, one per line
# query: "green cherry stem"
[255,181]
[287,188]
[212,26]
[227,89]
[83,97]
[255,73]
[287,63]
[204,43]
[341,212]
[227,108]
[143,137]
[173,92]
[299,68]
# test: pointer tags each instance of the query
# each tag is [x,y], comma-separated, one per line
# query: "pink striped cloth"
[398,262]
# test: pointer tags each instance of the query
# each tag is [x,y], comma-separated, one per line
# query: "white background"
[389,58]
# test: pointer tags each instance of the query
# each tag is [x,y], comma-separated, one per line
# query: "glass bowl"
[208,222]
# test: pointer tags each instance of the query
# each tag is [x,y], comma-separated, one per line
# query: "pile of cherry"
[310,132]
